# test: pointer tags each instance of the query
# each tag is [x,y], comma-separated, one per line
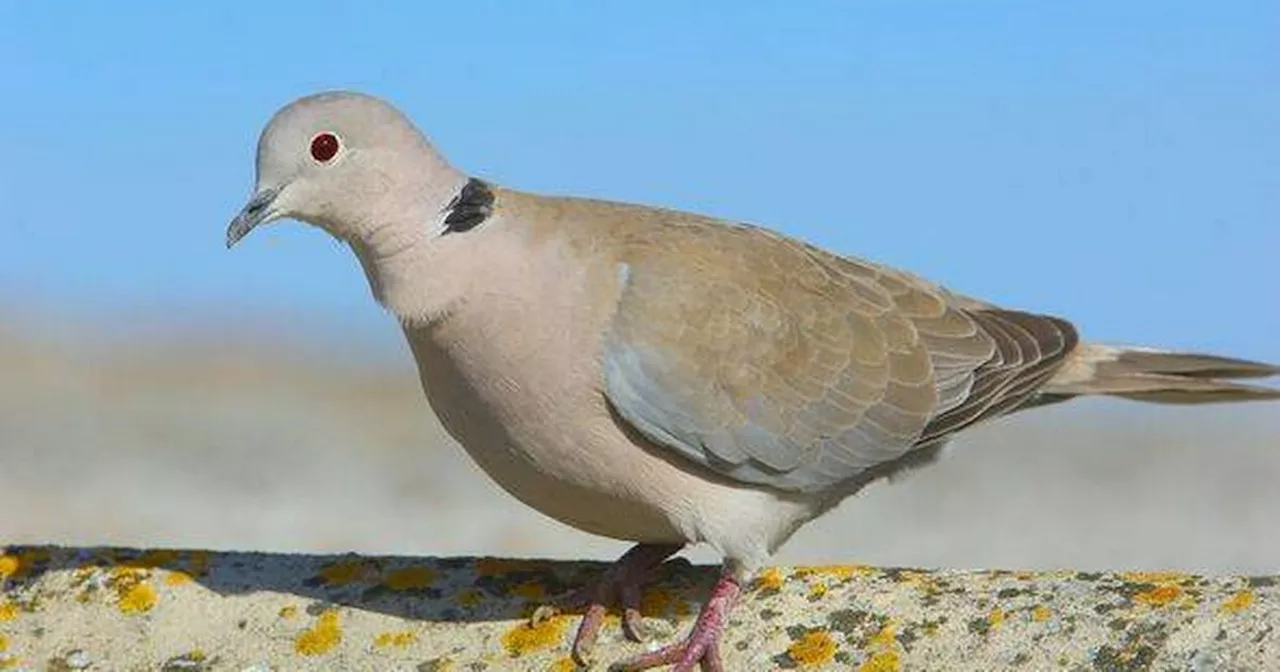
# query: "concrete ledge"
[128,609]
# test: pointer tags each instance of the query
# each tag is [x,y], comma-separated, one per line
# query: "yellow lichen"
[408,578]
[396,639]
[12,565]
[564,664]
[9,566]
[884,639]
[344,572]
[321,637]
[134,595]
[818,591]
[996,618]
[815,649]
[1160,595]
[920,580]
[882,661]
[1238,602]
[177,577]
[839,572]
[8,611]
[137,599]
[1155,577]
[1041,613]
[288,611]
[527,637]
[4,643]
[770,579]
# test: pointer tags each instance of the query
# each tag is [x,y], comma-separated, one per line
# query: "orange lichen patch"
[344,572]
[528,637]
[815,648]
[9,566]
[8,611]
[882,661]
[1160,595]
[996,618]
[399,639]
[177,577]
[1238,602]
[321,637]
[838,572]
[659,601]
[287,611]
[408,578]
[134,595]
[138,599]
[12,564]
[1156,577]
[565,664]
[770,578]
[529,590]
[124,574]
[1041,613]
[884,644]
[470,597]
[921,580]
[885,639]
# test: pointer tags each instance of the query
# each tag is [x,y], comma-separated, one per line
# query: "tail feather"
[1145,374]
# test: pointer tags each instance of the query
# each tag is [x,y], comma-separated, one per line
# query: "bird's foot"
[621,585]
[702,646]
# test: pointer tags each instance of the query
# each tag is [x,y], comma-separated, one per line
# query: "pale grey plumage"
[666,377]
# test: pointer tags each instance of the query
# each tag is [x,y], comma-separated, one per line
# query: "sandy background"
[265,441]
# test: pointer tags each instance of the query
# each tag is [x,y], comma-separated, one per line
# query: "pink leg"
[702,647]
[621,585]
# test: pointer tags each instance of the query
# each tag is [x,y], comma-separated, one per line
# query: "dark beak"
[256,212]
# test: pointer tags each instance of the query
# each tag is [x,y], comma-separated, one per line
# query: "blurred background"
[1111,162]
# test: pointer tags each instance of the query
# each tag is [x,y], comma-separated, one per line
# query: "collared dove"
[664,377]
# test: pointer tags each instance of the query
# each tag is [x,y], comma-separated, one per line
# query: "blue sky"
[1116,163]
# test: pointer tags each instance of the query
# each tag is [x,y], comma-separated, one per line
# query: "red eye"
[324,147]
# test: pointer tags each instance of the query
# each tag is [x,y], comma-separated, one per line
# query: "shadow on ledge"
[121,608]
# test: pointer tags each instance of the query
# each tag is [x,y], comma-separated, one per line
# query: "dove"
[668,378]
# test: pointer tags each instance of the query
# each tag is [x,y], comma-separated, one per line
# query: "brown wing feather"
[1028,350]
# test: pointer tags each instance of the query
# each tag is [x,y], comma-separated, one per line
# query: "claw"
[702,647]
[620,586]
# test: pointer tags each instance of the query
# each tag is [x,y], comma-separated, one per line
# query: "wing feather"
[778,364]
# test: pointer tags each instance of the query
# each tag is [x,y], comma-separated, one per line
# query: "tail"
[1159,376]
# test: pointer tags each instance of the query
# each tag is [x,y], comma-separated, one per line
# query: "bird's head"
[339,161]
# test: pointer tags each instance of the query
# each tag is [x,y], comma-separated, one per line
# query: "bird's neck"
[415,269]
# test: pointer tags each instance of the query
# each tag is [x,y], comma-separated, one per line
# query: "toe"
[584,643]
